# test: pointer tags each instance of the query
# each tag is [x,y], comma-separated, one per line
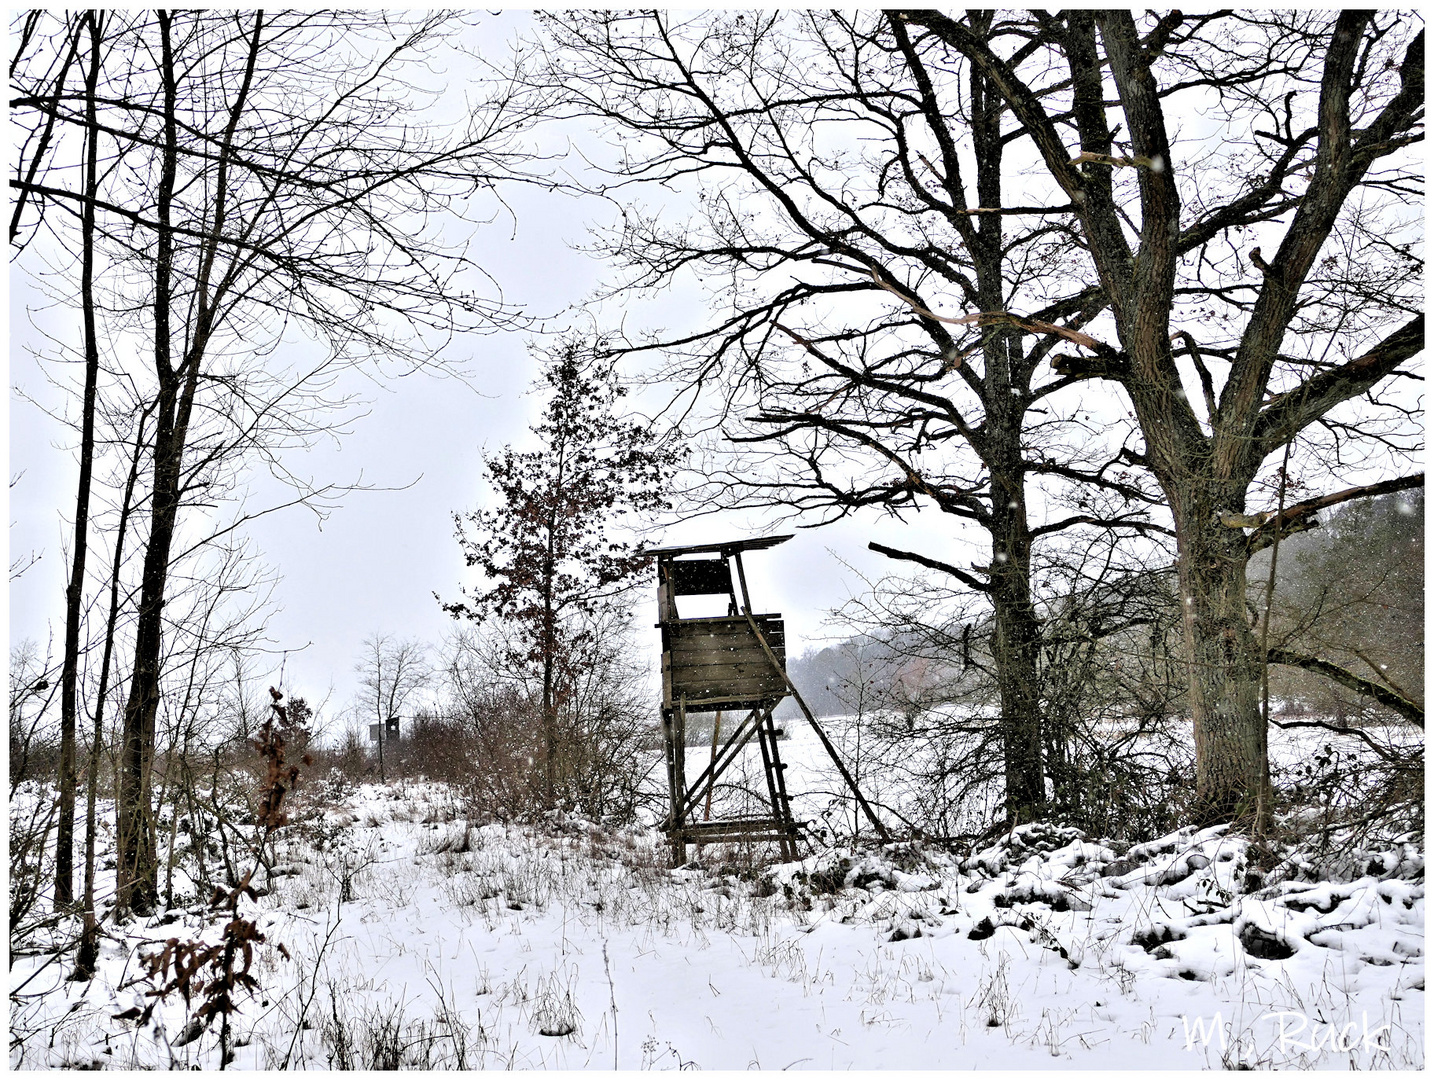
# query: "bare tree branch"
[1384,696]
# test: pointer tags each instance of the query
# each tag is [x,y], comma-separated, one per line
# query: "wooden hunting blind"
[729,663]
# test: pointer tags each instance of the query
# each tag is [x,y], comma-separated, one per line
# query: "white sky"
[375,564]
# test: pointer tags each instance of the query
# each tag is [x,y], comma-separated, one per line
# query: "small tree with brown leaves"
[215,972]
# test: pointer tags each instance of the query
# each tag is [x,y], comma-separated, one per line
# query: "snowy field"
[415,940]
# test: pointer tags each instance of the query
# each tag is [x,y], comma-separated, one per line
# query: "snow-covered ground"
[414,939]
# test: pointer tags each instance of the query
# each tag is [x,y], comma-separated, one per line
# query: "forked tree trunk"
[138,869]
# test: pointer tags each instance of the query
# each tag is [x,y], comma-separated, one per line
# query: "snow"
[418,939]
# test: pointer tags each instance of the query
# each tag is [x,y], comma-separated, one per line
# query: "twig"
[988,318]
[612,999]
[313,989]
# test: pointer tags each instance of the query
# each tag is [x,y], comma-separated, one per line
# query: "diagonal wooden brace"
[831,750]
[739,738]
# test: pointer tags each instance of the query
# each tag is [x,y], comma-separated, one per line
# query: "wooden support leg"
[784,803]
[776,787]
[674,793]
[812,720]
[767,767]
[679,771]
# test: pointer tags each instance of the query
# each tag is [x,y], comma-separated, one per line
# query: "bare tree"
[866,233]
[390,672]
[88,26]
[551,548]
[271,177]
[1314,116]
[843,146]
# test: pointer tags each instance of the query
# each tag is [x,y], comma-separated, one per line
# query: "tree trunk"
[1017,636]
[1017,639]
[549,643]
[1232,779]
[138,866]
[550,719]
[1014,648]
[137,871]
[89,948]
[74,592]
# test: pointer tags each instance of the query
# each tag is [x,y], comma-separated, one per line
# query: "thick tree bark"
[1017,632]
[1015,648]
[1222,655]
[1208,476]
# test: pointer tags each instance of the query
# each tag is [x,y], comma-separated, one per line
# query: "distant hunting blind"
[387,732]
[735,662]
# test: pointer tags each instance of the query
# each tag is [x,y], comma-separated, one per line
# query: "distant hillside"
[1350,591]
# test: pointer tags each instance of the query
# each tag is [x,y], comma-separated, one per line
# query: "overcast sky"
[375,563]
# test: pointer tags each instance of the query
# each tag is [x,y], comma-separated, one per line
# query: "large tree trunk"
[138,866]
[1016,642]
[1232,767]
[1221,650]
[1014,648]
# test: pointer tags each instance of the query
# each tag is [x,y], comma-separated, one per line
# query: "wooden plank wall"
[719,662]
